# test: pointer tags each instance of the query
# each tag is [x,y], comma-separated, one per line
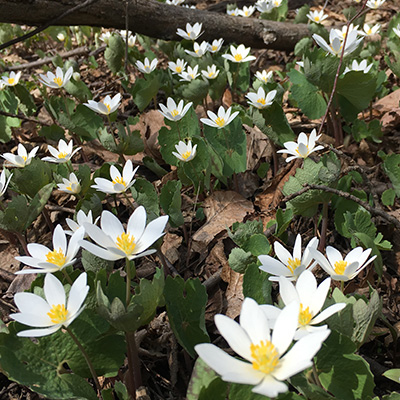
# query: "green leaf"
[201,380]
[144,91]
[79,90]
[37,204]
[257,244]
[13,218]
[145,195]
[93,263]
[283,220]
[121,391]
[388,197]
[153,166]
[273,123]
[256,285]
[391,166]
[130,143]
[171,202]
[393,374]
[52,132]
[241,392]
[307,96]
[240,259]
[186,305]
[344,374]
[27,104]
[358,88]
[310,391]
[86,123]
[195,91]
[241,232]
[114,53]
[320,70]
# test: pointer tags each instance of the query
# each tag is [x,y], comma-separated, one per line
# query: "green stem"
[324,227]
[342,286]
[69,166]
[179,131]
[110,131]
[129,201]
[89,363]
[316,377]
[129,278]
[135,376]
[67,277]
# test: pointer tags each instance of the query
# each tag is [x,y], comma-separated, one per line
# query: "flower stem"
[135,376]
[89,363]
[129,201]
[179,131]
[69,166]
[67,277]
[110,131]
[342,286]
[128,266]
[324,227]
[315,375]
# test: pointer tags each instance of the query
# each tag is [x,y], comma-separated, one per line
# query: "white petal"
[270,387]
[287,291]
[333,309]
[285,327]
[39,332]
[77,294]
[53,290]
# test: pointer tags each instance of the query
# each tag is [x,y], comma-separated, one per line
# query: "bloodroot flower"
[22,159]
[267,359]
[63,154]
[53,312]
[107,106]
[239,54]
[221,120]
[172,111]
[12,79]
[185,152]
[70,185]
[58,80]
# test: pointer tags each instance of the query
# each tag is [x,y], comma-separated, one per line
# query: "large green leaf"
[186,305]
[171,201]
[114,53]
[145,195]
[257,285]
[391,166]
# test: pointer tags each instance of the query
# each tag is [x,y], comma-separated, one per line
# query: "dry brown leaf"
[234,292]
[221,209]
[390,120]
[388,103]
[170,247]
[258,147]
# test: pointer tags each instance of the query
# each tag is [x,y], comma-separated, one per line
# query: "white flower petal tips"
[185,152]
[58,80]
[107,106]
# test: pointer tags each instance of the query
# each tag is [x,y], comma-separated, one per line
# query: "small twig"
[46,25]
[19,116]
[347,196]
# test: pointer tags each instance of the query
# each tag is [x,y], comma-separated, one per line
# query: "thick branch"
[155,19]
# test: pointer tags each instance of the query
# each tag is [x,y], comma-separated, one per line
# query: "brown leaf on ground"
[258,147]
[388,103]
[234,292]
[170,247]
[21,282]
[391,120]
[221,209]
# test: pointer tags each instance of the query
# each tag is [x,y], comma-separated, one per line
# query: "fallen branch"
[155,19]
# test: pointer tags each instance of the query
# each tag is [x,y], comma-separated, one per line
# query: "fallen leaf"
[221,209]
[388,103]
[170,247]
[234,292]
[258,147]
[390,120]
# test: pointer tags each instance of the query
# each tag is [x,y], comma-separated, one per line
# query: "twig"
[339,66]
[46,25]
[347,196]
[19,116]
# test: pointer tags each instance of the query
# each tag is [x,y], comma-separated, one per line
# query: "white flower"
[81,218]
[336,44]
[259,99]
[239,54]
[63,154]
[53,312]
[185,152]
[119,183]
[2,85]
[174,2]
[199,49]
[276,3]
[374,4]
[147,67]
[264,6]
[303,147]
[172,111]
[58,80]
[247,11]
[362,66]
[215,45]
[290,266]
[114,243]
[264,76]
[178,67]
[76,76]
[4,182]
[22,159]
[192,32]
[311,299]
[343,32]
[187,6]
[369,31]
[61,37]
[70,185]
[45,260]
[397,30]
[339,269]
[190,74]
[234,12]
[12,79]
[105,37]
[131,37]
[317,16]
[268,362]
[211,73]
[107,106]
[221,120]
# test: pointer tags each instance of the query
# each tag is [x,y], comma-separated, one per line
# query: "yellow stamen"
[293,264]
[11,81]
[62,155]
[369,32]
[56,257]
[192,76]
[58,81]
[214,48]
[126,243]
[108,107]
[58,314]
[70,188]
[265,357]
[316,18]
[340,267]
[120,180]
[238,57]
[220,122]
[186,155]
[304,316]
[261,100]
[178,70]
[211,74]
[174,113]
[197,51]
[24,158]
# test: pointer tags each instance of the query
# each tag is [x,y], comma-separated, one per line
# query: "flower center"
[126,243]
[178,69]
[304,155]
[192,76]
[369,32]
[220,122]
[214,48]
[186,155]
[304,316]
[56,257]
[58,81]
[62,155]
[147,68]
[24,158]
[11,81]
[58,314]
[210,74]
[238,57]
[276,3]
[292,264]
[340,266]
[108,107]
[316,18]
[120,180]
[197,51]
[261,100]
[174,113]
[265,356]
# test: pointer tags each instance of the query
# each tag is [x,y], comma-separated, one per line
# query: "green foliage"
[93,263]
[393,374]
[301,15]
[362,130]
[241,232]
[144,91]
[114,53]
[257,285]
[27,104]
[171,201]
[240,259]
[145,195]
[195,91]
[186,305]
[391,166]
[283,220]
[130,143]
[52,132]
